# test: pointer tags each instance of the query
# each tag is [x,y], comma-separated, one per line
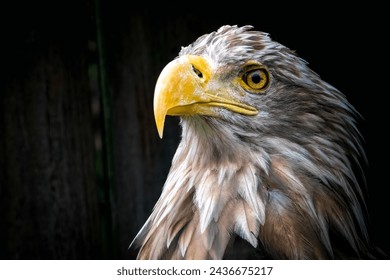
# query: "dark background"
[81,164]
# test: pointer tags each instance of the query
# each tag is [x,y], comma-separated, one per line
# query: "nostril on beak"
[197,72]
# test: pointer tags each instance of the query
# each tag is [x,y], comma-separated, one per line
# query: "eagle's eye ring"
[256,79]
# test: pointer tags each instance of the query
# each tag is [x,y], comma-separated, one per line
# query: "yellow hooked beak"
[181,89]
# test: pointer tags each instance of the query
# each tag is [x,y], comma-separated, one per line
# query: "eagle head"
[267,156]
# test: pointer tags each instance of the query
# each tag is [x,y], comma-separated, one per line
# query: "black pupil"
[255,77]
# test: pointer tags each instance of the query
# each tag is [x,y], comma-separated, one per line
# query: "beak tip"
[160,124]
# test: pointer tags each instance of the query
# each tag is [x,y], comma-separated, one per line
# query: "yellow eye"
[256,78]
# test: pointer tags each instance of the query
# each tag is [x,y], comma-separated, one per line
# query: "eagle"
[270,157]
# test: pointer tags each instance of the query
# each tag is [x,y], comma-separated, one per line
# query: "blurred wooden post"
[48,191]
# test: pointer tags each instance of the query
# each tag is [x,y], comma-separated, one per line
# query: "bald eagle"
[267,156]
